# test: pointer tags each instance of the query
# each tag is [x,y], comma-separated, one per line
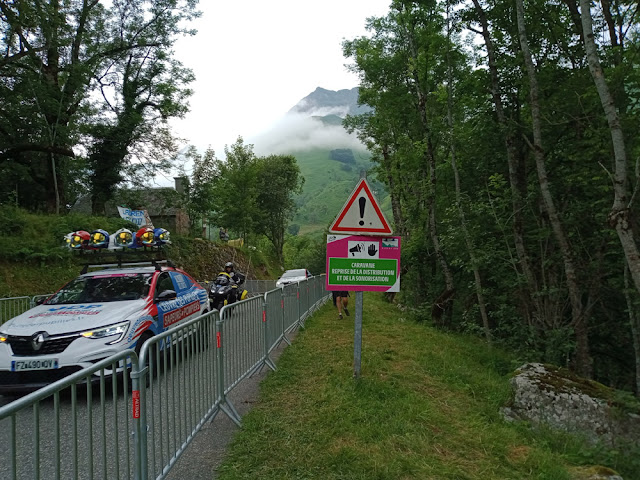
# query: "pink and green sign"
[363,263]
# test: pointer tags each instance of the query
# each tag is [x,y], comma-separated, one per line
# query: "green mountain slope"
[328,184]
[330,159]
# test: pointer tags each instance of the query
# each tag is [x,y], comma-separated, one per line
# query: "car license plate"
[41,364]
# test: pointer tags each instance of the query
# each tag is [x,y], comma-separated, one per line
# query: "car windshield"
[293,273]
[103,288]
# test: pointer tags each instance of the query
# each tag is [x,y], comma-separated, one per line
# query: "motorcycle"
[225,291]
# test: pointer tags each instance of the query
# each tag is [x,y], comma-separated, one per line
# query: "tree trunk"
[514,168]
[456,176]
[619,216]
[106,162]
[583,358]
[396,207]
[443,305]
[634,320]
[54,187]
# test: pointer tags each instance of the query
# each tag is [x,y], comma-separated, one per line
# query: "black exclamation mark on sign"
[362,201]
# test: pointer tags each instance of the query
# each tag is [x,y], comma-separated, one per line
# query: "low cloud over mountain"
[324,102]
[314,122]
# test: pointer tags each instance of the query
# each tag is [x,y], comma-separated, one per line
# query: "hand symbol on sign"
[372,250]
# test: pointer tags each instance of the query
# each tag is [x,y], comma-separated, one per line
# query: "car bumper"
[80,354]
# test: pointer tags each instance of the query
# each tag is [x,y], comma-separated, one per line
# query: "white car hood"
[59,319]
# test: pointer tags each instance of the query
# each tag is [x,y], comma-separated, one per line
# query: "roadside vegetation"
[34,259]
[426,407]
[504,138]
[510,184]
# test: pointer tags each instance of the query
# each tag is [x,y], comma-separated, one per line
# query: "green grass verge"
[426,407]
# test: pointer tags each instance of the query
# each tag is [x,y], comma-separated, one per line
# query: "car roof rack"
[158,264]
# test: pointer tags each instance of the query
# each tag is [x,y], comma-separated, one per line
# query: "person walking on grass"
[340,300]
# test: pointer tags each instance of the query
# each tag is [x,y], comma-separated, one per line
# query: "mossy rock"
[563,380]
[594,472]
[546,395]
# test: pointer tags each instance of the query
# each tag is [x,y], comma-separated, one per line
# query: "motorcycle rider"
[237,278]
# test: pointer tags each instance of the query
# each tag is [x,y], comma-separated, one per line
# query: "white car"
[293,276]
[94,316]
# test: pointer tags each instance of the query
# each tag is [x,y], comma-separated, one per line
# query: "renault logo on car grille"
[37,340]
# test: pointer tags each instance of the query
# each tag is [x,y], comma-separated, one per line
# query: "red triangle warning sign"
[361,214]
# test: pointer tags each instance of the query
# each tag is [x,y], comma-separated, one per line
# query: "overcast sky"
[255,59]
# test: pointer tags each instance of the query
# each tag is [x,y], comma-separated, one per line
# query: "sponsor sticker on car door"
[187,304]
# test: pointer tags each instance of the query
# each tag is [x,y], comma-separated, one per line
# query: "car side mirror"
[40,300]
[166,295]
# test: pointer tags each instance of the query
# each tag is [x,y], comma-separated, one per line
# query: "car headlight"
[118,329]
[3,337]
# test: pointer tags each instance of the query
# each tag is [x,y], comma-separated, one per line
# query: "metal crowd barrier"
[241,334]
[61,431]
[255,287]
[182,380]
[14,306]
[180,368]
[11,307]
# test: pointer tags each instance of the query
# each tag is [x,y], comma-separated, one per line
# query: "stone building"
[163,204]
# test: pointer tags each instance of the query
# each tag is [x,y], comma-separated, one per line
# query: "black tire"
[151,360]
[143,338]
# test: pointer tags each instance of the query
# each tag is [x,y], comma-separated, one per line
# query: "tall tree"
[278,179]
[235,189]
[510,134]
[401,67]
[473,257]
[53,52]
[620,215]
[201,197]
[141,87]
[50,54]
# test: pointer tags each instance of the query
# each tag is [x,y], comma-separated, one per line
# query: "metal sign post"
[357,338]
[362,255]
